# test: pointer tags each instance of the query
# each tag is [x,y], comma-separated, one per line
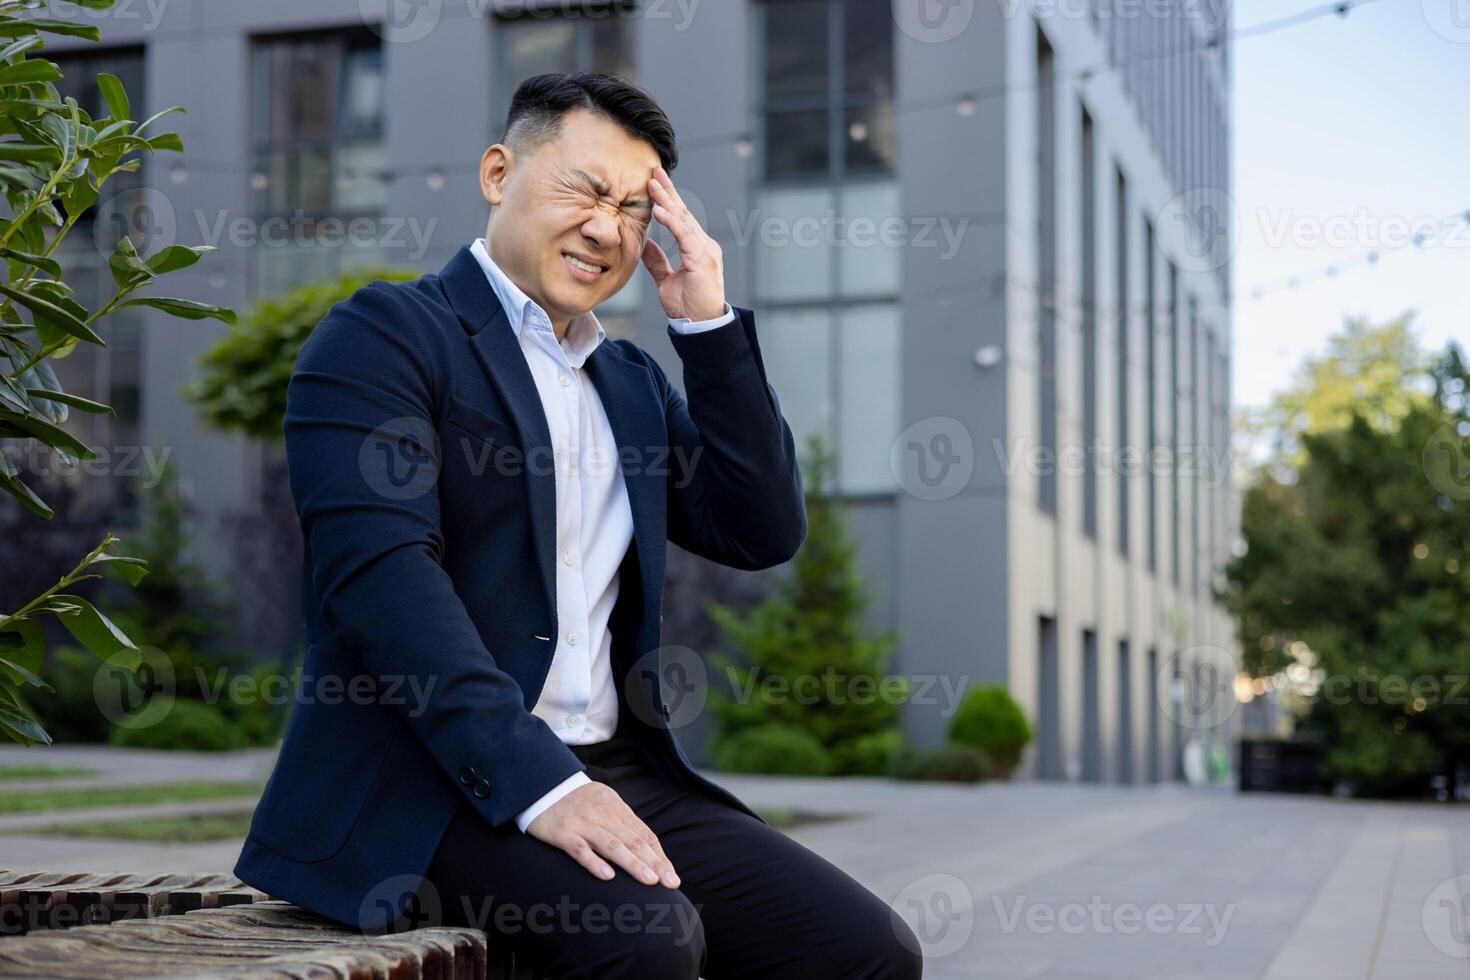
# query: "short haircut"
[540,101]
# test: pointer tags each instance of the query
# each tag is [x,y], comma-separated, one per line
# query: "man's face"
[571,215]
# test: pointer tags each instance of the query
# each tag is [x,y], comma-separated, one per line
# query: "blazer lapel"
[499,353]
[633,409]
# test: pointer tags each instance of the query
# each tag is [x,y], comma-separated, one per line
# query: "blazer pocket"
[479,424]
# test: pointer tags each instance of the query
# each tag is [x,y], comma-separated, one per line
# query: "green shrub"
[191,725]
[69,710]
[777,749]
[259,721]
[866,755]
[949,764]
[990,720]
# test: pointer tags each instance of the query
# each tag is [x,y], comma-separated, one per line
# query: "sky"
[1349,134]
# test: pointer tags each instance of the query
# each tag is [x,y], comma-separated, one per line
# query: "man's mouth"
[583,269]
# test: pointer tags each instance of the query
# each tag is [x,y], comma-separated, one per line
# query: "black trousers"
[752,902]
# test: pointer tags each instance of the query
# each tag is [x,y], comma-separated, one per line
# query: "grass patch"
[784,818]
[168,830]
[42,800]
[42,772]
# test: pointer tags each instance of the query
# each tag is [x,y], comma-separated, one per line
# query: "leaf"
[67,28]
[186,308]
[23,641]
[49,266]
[176,257]
[114,95]
[166,141]
[41,379]
[22,727]
[17,489]
[154,118]
[25,152]
[127,268]
[58,439]
[28,72]
[18,46]
[75,401]
[93,629]
[129,569]
[20,675]
[53,313]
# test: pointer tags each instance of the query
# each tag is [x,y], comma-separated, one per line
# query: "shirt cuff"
[524,818]
[685,325]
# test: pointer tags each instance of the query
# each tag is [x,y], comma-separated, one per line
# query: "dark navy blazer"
[420,463]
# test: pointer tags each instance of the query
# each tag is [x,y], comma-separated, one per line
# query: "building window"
[1089,326]
[1122,266]
[828,88]
[317,154]
[1176,432]
[110,374]
[1046,262]
[1151,388]
[833,344]
[590,37]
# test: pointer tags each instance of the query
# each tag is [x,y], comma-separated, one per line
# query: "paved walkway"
[1050,881]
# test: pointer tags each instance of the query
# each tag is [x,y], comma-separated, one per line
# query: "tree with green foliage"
[1356,578]
[243,378]
[54,162]
[810,664]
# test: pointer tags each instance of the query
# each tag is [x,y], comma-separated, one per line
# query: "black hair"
[540,101]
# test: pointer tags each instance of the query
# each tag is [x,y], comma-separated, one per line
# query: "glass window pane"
[792,242]
[360,184]
[362,93]
[535,46]
[311,181]
[796,144]
[796,49]
[867,42]
[309,90]
[873,239]
[869,139]
[796,346]
[869,393]
[612,44]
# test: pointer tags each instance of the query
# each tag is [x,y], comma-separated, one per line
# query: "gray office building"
[987,241]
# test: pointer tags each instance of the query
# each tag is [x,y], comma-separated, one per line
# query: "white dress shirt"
[594,522]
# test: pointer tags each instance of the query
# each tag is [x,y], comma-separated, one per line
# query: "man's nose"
[602,228]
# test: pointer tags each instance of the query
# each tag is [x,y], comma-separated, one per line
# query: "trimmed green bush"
[776,749]
[191,725]
[989,719]
[947,764]
[866,755]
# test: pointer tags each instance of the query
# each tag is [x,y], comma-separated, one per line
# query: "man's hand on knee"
[595,826]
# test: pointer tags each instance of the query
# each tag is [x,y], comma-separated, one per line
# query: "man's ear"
[495,167]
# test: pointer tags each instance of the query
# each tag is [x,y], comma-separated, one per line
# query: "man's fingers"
[655,852]
[619,852]
[656,261]
[582,852]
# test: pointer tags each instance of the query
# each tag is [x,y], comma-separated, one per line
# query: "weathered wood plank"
[34,900]
[257,940]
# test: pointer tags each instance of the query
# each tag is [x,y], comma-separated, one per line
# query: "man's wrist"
[686,325]
[550,799]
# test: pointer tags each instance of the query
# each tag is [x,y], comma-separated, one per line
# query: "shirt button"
[572,638]
[566,379]
[567,558]
[574,720]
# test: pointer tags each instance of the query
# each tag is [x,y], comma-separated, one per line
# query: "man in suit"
[485,485]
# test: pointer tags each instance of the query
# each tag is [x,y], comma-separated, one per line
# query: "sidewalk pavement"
[1038,880]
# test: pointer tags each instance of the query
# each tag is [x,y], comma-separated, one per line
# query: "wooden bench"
[112,925]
